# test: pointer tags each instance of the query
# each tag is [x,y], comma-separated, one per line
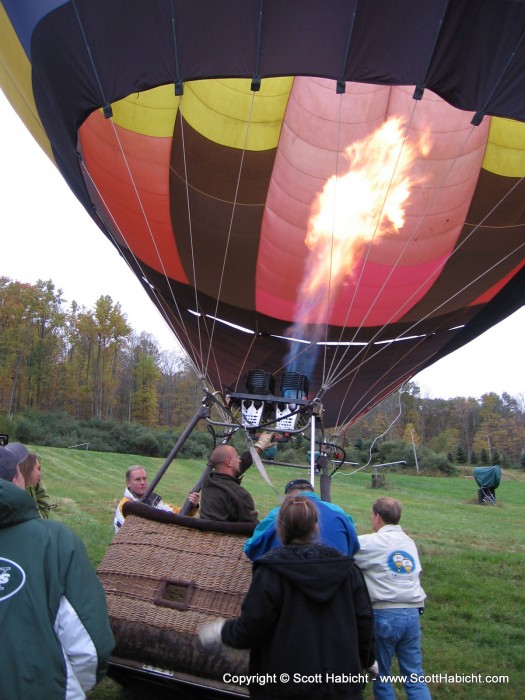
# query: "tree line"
[489,430]
[92,366]
[88,363]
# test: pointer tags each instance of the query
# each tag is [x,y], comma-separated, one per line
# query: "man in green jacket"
[222,496]
[56,637]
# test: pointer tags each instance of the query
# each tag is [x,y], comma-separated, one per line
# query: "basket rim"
[142,510]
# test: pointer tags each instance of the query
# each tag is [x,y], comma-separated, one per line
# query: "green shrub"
[146,443]
[29,429]
[132,438]
[434,463]
[291,456]
[166,439]
[198,446]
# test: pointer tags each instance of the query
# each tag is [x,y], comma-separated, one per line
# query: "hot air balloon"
[185,135]
[322,197]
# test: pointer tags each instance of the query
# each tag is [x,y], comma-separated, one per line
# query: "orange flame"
[362,205]
[358,207]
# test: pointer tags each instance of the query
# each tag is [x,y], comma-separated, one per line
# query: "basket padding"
[165,516]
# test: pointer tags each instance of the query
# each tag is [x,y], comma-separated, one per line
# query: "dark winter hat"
[18,450]
[7,464]
[301,484]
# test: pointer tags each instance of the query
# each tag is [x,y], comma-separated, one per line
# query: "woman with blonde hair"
[307,617]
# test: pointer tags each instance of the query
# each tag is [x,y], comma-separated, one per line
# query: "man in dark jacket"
[56,637]
[222,496]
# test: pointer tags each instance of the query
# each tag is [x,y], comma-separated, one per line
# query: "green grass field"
[472,556]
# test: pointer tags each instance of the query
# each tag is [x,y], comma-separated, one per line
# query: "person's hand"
[194,497]
[264,441]
[210,634]
[373,670]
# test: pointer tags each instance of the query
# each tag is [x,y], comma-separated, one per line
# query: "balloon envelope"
[238,160]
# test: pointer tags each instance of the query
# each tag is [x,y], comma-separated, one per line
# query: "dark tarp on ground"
[487,477]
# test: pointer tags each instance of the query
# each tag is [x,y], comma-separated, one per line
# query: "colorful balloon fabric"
[327,186]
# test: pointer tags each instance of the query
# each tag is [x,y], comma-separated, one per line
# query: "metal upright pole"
[312,450]
[188,505]
[203,412]
[414,448]
[325,481]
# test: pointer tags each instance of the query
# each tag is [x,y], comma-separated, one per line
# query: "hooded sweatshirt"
[307,614]
[56,637]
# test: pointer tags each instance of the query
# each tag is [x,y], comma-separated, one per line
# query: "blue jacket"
[336,529]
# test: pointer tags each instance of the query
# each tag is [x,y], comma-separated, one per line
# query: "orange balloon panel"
[131,174]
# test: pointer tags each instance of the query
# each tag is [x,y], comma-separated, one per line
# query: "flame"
[358,207]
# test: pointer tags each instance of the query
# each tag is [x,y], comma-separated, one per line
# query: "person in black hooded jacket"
[307,617]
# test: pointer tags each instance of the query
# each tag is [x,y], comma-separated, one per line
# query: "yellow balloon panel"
[229,113]
[15,82]
[150,113]
[505,154]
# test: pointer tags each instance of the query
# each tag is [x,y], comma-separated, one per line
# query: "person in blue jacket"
[336,528]
[56,636]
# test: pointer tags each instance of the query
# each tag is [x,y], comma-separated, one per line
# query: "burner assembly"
[262,407]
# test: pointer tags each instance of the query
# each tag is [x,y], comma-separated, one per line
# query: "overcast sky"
[46,234]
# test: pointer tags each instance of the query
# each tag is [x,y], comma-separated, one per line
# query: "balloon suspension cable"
[393,422]
[108,114]
[366,259]
[160,304]
[230,227]
[192,249]
[336,376]
[107,110]
[366,350]
[201,319]
[192,354]
[346,369]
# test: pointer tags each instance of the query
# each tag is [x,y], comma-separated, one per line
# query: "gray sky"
[46,234]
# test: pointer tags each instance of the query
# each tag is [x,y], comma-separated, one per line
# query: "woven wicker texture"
[151,566]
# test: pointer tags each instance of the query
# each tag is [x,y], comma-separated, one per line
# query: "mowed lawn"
[473,556]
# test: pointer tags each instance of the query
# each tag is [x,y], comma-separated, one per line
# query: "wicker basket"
[164,576]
